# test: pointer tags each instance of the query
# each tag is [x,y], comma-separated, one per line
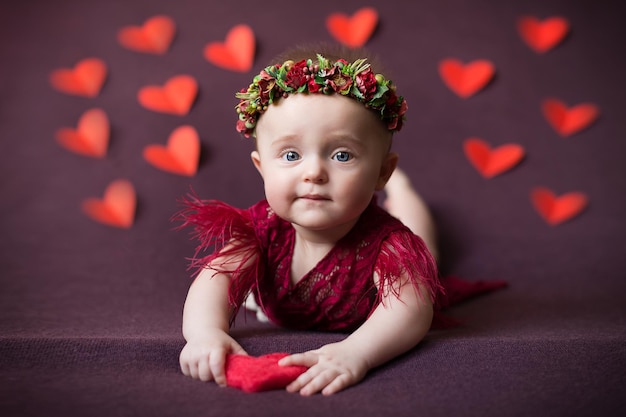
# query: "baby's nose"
[315,171]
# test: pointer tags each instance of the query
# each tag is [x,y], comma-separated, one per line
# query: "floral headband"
[355,80]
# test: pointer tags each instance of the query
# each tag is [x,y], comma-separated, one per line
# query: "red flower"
[313,86]
[339,82]
[265,86]
[296,77]
[366,83]
[403,108]
[241,126]
[395,105]
[391,98]
[395,124]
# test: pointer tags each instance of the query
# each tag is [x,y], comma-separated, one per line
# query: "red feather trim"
[405,254]
[228,234]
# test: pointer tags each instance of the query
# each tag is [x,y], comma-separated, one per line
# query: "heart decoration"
[176,96]
[556,210]
[353,31]
[466,79]
[85,79]
[491,162]
[181,154]
[236,53]
[90,138]
[544,35]
[116,208]
[567,121]
[255,374]
[154,36]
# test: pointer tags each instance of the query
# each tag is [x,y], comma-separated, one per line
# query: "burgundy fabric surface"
[90,315]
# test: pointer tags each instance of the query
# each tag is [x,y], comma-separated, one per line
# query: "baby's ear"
[386,169]
[256,160]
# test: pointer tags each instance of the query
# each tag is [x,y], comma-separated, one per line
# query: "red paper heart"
[85,79]
[236,53]
[555,210]
[252,374]
[116,208]
[175,97]
[491,162]
[466,80]
[154,36]
[567,121]
[90,138]
[353,31]
[181,154]
[542,35]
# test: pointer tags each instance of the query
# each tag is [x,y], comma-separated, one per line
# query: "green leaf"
[380,91]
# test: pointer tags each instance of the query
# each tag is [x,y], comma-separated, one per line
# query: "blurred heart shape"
[465,80]
[542,35]
[569,120]
[154,36]
[490,162]
[116,208]
[557,209]
[176,96]
[353,31]
[180,155]
[91,136]
[84,79]
[236,53]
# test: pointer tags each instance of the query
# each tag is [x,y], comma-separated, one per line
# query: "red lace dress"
[339,293]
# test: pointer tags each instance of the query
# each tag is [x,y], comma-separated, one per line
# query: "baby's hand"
[204,358]
[331,368]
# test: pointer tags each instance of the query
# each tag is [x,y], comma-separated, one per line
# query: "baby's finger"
[318,383]
[204,370]
[217,363]
[238,350]
[307,359]
[297,384]
[193,370]
[336,385]
[184,367]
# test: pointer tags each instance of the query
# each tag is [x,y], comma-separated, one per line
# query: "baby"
[318,253]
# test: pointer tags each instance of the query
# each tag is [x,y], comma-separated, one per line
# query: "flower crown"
[355,80]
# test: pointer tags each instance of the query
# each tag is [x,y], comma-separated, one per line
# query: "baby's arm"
[395,326]
[206,318]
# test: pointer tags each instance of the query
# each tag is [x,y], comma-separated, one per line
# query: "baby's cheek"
[278,197]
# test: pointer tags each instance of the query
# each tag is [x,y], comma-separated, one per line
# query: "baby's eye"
[342,156]
[291,156]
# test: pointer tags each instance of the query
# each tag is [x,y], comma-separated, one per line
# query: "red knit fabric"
[339,293]
[254,374]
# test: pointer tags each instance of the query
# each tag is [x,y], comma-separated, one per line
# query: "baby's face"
[321,158]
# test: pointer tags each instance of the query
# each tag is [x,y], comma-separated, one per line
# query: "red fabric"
[254,374]
[339,293]
[457,290]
